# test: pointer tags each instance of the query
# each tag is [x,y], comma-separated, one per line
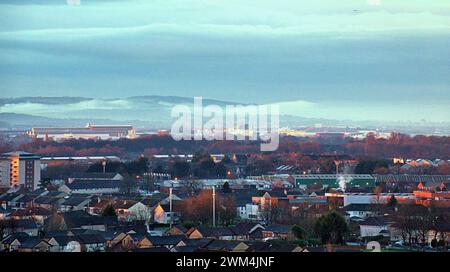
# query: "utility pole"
[337,162]
[170,204]
[104,166]
[214,206]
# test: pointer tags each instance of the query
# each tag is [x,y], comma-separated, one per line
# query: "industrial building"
[100,132]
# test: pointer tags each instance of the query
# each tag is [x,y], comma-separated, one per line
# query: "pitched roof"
[26,198]
[361,207]
[181,228]
[245,228]
[151,249]
[20,236]
[31,242]
[215,232]
[47,200]
[186,249]
[201,242]
[93,175]
[223,245]
[281,248]
[170,240]
[278,228]
[91,239]
[9,196]
[31,211]
[76,219]
[75,200]
[63,240]
[374,221]
[94,184]
[25,224]
[129,229]
[124,204]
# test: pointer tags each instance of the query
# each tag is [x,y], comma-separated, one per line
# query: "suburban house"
[246,210]
[4,212]
[222,233]
[25,201]
[269,247]
[129,210]
[75,203]
[374,226]
[162,214]
[13,241]
[95,186]
[34,244]
[247,231]
[226,246]
[91,242]
[8,200]
[27,226]
[78,220]
[36,214]
[277,231]
[177,230]
[356,211]
[49,202]
[95,176]
[61,243]
[269,198]
[168,241]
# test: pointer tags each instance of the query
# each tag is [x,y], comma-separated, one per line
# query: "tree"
[129,184]
[226,210]
[331,228]
[109,211]
[299,232]
[392,201]
[226,188]
[368,166]
[181,169]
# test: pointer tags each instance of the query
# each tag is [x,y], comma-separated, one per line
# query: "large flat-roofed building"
[332,181]
[103,132]
[20,169]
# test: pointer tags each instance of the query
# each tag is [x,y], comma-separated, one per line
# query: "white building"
[20,169]
[89,132]
[249,212]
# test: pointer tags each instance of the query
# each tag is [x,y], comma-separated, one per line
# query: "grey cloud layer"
[250,51]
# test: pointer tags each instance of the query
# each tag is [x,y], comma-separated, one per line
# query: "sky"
[347,59]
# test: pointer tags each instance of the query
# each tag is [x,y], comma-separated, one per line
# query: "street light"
[214,205]
[104,166]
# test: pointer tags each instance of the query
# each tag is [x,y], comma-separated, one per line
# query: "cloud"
[247,51]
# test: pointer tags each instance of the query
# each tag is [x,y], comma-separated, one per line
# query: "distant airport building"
[101,132]
[20,169]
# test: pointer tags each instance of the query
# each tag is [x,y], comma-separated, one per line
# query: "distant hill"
[153,112]
[44,100]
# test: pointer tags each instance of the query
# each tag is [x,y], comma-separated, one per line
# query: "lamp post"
[214,206]
[104,166]
[170,205]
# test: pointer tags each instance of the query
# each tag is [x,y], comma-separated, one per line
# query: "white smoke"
[343,180]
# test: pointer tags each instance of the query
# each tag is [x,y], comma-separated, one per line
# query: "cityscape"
[69,195]
[224,126]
